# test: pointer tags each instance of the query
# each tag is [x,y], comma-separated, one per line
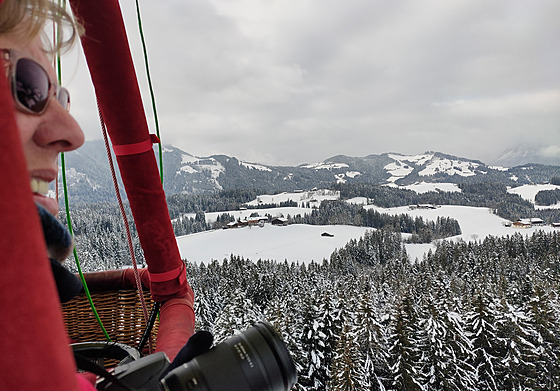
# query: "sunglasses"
[32,87]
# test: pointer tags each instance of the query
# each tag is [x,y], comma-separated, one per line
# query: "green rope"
[67,206]
[151,89]
[76,258]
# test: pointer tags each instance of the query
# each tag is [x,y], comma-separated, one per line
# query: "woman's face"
[43,136]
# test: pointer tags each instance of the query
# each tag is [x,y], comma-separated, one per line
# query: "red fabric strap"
[170,275]
[133,149]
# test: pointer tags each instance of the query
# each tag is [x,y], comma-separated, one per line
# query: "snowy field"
[476,224]
[303,198]
[528,192]
[303,243]
[294,243]
[314,197]
[425,187]
[245,214]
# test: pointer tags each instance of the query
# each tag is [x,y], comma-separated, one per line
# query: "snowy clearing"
[476,224]
[528,192]
[313,197]
[245,214]
[294,243]
[450,167]
[424,187]
[304,243]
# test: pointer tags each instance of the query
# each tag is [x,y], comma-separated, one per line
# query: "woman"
[45,128]
[41,111]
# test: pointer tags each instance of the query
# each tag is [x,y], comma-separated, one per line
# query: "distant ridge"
[547,155]
[90,180]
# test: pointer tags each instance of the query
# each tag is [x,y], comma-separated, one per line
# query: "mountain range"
[89,179]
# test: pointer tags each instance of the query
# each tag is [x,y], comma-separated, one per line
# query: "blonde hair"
[29,17]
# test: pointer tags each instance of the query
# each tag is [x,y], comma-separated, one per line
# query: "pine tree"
[330,327]
[481,324]
[547,339]
[348,372]
[238,314]
[516,370]
[403,348]
[444,345]
[205,310]
[458,342]
[313,375]
[372,342]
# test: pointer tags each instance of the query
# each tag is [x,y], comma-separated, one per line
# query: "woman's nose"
[58,129]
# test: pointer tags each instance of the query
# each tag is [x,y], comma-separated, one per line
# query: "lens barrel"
[254,360]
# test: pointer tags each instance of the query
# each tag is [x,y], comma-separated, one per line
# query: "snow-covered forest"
[481,314]
[470,316]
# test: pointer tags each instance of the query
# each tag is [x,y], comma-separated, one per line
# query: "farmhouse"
[256,220]
[522,223]
[423,206]
[232,224]
[279,221]
[528,223]
[536,221]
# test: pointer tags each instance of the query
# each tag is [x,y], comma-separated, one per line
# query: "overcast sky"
[286,82]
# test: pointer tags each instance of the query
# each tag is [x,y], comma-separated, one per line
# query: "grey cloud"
[294,82]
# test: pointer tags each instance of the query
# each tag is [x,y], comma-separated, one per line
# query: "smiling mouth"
[39,186]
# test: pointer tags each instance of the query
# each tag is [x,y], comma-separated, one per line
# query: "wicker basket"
[120,312]
[118,304]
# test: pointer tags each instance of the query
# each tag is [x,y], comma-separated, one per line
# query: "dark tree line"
[282,204]
[189,225]
[344,213]
[547,197]
[222,201]
[489,195]
[470,316]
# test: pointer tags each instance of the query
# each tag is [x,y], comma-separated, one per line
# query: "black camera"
[254,360]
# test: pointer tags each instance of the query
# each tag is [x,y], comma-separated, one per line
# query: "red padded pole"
[108,56]
[35,352]
[106,47]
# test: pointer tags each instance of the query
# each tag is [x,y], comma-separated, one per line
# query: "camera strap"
[87,365]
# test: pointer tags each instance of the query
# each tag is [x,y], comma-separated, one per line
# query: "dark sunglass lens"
[63,97]
[32,85]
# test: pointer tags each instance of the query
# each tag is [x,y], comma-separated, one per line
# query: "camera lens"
[255,360]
